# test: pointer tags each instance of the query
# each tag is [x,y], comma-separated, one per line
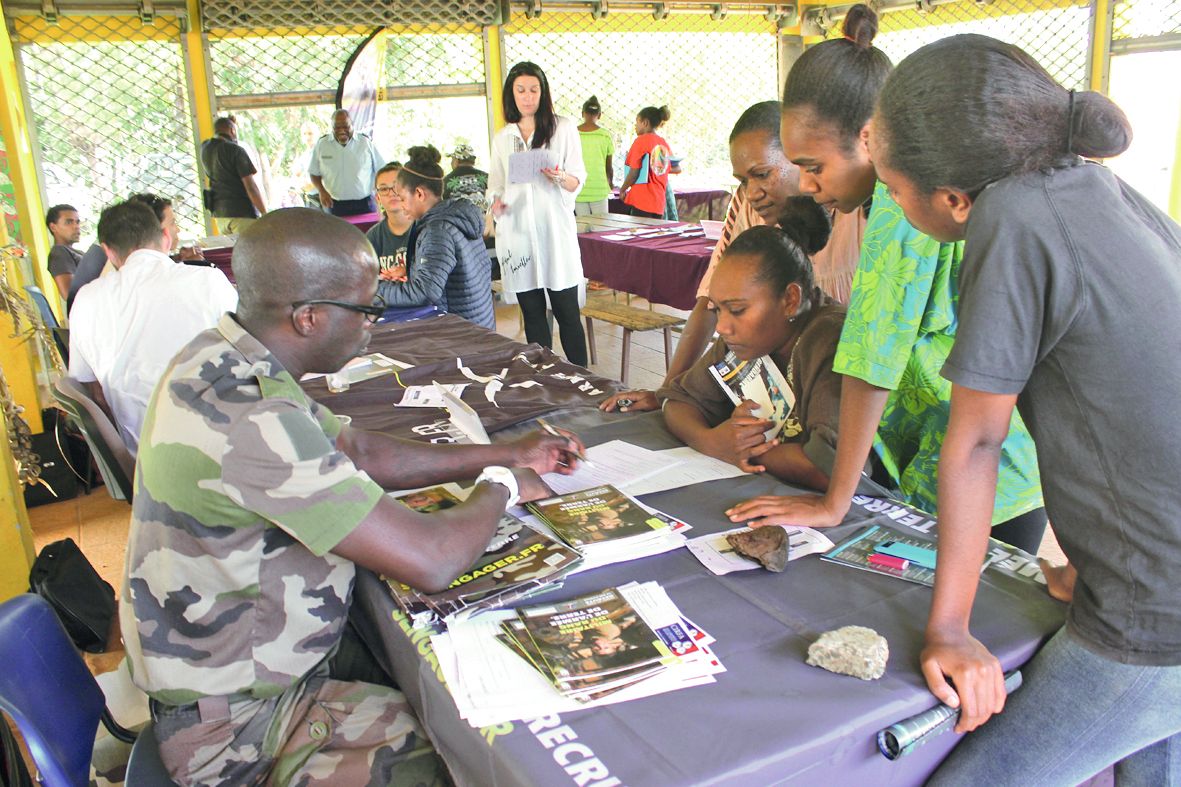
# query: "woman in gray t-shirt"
[1069,294]
[389,236]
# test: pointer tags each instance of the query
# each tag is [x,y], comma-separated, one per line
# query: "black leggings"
[565,307]
[1024,532]
[637,212]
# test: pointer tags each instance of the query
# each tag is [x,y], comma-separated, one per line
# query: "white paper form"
[617,463]
[429,395]
[526,166]
[681,467]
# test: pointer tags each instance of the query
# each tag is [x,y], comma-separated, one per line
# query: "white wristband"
[503,476]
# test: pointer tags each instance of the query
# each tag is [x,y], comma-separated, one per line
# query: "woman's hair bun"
[665,114]
[423,155]
[1101,129]
[860,25]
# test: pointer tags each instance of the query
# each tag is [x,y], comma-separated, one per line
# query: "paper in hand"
[526,166]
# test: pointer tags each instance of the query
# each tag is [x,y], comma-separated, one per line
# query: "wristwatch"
[503,476]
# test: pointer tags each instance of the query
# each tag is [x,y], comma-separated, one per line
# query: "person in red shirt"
[649,161]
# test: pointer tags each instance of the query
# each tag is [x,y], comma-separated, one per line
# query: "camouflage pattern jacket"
[240,495]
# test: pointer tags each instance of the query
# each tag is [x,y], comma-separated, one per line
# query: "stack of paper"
[517,562]
[607,526]
[493,681]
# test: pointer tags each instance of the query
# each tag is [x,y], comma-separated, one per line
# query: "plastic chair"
[114,460]
[50,320]
[46,688]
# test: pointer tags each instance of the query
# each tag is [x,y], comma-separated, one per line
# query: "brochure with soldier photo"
[601,513]
[589,644]
[760,381]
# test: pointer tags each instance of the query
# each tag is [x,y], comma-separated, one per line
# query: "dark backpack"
[84,602]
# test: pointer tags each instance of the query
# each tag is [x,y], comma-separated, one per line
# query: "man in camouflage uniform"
[252,505]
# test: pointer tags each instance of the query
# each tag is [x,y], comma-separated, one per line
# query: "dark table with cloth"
[770,718]
[693,203]
[220,253]
[432,345]
[664,269]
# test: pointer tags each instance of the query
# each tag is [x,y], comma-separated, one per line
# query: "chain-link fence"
[1146,19]
[428,61]
[110,104]
[706,71]
[1055,33]
[290,76]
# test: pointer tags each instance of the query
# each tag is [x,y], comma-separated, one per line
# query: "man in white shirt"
[343,167]
[126,327]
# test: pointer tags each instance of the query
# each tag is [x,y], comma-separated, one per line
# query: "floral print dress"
[898,332]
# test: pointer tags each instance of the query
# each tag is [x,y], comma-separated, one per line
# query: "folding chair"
[114,460]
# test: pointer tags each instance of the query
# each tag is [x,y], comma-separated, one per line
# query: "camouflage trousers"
[319,732]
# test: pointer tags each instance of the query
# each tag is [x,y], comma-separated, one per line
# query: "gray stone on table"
[851,650]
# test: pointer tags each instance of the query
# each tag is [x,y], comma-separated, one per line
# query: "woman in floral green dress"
[902,313]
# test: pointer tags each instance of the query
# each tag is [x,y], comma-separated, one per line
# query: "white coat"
[536,238]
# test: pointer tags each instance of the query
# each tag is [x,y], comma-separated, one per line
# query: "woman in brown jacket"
[770,314]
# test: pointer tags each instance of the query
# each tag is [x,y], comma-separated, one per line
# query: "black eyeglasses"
[372,313]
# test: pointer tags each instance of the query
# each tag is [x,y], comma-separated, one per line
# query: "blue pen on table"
[549,428]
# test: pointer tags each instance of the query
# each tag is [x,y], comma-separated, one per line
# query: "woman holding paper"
[768,312]
[536,172]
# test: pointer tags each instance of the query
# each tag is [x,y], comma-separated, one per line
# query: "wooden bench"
[630,319]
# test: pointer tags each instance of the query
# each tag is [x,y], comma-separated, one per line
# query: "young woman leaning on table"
[766,180]
[902,313]
[1069,310]
[448,259]
[536,238]
[767,305]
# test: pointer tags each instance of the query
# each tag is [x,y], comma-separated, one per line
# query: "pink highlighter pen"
[888,561]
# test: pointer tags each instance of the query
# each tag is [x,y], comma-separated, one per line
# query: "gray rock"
[767,545]
[851,650]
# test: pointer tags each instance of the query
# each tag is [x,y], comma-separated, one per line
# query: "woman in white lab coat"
[533,206]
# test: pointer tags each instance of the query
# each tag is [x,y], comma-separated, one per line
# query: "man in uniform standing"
[343,168]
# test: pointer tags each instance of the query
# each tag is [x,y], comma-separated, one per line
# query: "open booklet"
[760,381]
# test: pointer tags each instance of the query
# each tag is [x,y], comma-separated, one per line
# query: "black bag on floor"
[84,602]
[58,479]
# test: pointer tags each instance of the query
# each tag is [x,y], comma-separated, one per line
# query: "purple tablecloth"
[221,256]
[663,270]
[692,204]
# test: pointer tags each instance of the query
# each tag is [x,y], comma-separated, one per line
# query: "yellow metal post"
[16,536]
[198,71]
[14,125]
[1175,189]
[494,74]
[1101,11]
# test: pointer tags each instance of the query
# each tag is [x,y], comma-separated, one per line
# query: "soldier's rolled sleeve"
[280,463]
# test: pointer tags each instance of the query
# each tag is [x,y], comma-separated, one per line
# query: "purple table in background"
[693,204]
[220,256]
[663,270]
